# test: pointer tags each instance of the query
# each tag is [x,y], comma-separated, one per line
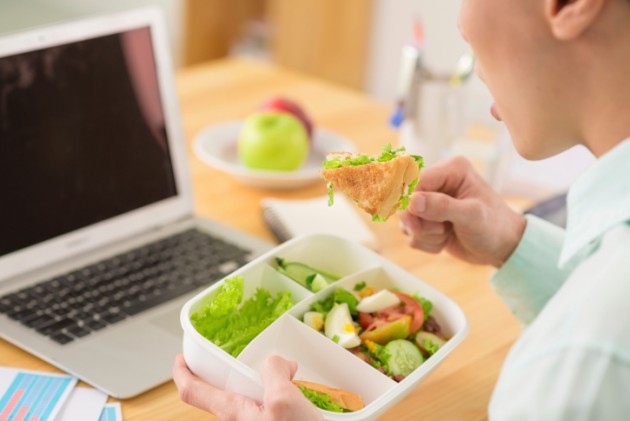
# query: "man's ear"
[570,18]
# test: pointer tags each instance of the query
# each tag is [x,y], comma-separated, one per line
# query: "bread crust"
[375,187]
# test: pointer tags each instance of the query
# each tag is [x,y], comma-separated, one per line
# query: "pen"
[411,73]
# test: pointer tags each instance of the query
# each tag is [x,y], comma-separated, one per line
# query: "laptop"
[99,245]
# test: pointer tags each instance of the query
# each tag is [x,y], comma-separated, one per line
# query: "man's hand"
[454,209]
[282,399]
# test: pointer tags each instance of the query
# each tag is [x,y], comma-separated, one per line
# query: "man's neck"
[604,92]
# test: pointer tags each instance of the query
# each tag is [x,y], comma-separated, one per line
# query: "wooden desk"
[460,388]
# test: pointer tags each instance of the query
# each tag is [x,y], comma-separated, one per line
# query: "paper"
[31,395]
[111,412]
[291,218]
[84,404]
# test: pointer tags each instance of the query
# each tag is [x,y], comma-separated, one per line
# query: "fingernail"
[419,203]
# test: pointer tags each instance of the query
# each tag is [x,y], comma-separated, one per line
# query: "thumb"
[276,373]
[440,207]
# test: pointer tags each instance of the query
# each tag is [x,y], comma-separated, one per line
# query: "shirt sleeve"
[531,275]
[573,381]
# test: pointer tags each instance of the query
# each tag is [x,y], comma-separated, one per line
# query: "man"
[559,71]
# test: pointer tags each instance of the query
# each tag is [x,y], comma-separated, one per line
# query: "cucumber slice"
[403,357]
[316,282]
[428,342]
[300,271]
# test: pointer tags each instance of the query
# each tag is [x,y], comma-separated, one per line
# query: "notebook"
[99,245]
[292,218]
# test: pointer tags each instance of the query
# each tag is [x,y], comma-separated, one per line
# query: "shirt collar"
[599,200]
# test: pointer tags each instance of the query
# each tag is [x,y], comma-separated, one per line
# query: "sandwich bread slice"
[379,185]
[330,399]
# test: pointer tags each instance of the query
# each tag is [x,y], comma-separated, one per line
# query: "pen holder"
[436,120]
[453,119]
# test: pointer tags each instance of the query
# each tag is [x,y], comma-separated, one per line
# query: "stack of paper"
[291,218]
[32,395]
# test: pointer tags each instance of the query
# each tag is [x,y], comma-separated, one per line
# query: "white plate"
[216,146]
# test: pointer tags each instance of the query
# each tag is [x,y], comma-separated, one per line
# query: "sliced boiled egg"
[314,319]
[377,302]
[339,327]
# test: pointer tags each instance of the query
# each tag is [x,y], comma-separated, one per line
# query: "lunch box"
[319,359]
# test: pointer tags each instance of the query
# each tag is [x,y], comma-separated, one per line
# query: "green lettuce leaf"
[320,400]
[343,296]
[324,306]
[427,305]
[228,297]
[412,186]
[340,296]
[232,328]
[388,153]
[331,164]
[360,286]
[349,162]
[331,193]
[404,202]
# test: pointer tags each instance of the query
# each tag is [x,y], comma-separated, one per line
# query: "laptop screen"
[82,137]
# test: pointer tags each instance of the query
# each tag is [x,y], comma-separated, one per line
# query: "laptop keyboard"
[73,305]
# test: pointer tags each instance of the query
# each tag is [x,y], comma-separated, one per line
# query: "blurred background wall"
[354,43]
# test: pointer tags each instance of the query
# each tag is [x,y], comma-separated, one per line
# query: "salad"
[231,327]
[391,330]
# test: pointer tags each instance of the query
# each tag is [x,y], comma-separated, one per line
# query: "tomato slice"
[365,320]
[408,307]
[412,308]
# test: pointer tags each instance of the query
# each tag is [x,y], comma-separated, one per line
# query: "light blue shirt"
[571,290]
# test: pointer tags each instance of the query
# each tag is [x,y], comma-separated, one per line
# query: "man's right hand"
[454,209]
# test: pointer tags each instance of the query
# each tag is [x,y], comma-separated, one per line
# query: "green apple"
[273,141]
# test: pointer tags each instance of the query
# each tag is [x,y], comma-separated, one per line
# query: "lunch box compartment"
[341,259]
[256,276]
[446,312]
[319,358]
[219,368]
[208,360]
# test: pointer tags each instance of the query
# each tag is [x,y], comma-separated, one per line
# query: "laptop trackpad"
[169,322]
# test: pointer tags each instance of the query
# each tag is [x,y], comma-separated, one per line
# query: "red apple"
[281,104]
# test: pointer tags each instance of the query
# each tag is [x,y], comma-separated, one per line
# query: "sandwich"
[330,399]
[380,185]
